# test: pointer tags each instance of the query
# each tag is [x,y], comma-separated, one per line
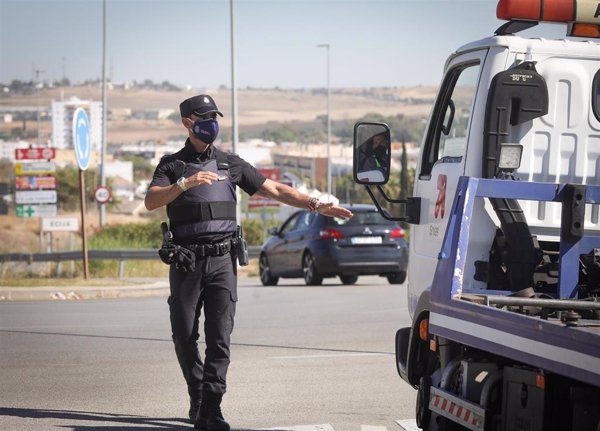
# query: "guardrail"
[120,255]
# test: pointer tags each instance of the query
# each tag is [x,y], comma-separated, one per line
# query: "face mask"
[206,130]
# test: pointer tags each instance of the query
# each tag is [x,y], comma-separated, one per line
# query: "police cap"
[199,105]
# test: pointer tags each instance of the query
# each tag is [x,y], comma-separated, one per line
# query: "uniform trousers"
[212,286]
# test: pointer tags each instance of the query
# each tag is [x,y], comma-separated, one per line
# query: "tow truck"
[505,333]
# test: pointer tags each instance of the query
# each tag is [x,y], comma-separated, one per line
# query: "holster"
[241,247]
[171,253]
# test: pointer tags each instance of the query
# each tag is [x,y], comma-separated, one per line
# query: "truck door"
[442,162]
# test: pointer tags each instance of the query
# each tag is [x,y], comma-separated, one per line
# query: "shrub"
[128,236]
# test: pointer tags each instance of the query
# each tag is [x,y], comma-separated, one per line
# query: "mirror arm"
[412,207]
[387,198]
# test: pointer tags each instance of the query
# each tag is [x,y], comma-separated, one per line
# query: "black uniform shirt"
[241,173]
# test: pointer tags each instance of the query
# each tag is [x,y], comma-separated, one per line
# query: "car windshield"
[362,218]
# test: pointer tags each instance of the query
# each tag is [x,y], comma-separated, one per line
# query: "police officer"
[198,186]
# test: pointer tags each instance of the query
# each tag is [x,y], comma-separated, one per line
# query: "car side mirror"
[273,231]
[372,146]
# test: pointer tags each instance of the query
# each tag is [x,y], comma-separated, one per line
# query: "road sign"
[60,224]
[35,183]
[35,153]
[102,195]
[36,197]
[81,138]
[36,210]
[35,168]
[262,203]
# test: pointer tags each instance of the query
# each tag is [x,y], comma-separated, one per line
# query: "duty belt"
[218,249]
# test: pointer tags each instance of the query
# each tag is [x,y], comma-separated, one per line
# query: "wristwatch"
[181,184]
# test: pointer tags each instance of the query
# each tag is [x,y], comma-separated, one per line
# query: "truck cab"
[515,111]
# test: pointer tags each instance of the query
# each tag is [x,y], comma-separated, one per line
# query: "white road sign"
[60,224]
[36,197]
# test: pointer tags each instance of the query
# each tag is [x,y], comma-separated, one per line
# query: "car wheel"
[348,279]
[265,273]
[311,275]
[396,277]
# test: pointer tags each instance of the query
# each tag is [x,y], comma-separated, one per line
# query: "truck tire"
[423,414]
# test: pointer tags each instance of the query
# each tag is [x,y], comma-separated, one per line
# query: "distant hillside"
[256,107]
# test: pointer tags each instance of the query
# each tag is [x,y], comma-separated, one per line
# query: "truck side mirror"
[372,153]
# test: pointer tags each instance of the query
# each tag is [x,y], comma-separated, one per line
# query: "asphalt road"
[304,358]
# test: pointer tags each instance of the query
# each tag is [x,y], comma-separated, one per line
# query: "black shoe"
[210,418]
[194,409]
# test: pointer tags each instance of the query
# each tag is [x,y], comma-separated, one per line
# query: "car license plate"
[366,240]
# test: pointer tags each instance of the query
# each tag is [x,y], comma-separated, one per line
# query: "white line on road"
[372,428]
[331,355]
[408,425]
[323,427]
[41,327]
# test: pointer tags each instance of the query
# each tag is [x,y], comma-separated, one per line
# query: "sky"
[373,43]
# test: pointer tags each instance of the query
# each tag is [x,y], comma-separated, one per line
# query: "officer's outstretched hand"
[331,210]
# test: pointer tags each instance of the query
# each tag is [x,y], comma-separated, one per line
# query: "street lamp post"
[234,109]
[234,126]
[37,88]
[102,210]
[326,45]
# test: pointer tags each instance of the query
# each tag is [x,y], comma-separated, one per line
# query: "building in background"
[62,122]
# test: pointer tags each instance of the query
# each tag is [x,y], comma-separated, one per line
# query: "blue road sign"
[81,138]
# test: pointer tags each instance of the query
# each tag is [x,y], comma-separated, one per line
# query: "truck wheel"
[309,269]
[422,406]
[348,279]
[396,277]
[265,273]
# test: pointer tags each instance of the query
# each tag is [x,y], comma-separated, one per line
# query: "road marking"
[333,355]
[372,428]
[408,425]
[323,427]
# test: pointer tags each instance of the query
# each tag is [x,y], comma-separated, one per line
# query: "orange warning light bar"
[567,11]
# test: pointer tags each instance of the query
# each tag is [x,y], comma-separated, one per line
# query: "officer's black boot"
[210,417]
[194,408]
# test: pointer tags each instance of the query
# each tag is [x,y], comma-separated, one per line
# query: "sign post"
[83,152]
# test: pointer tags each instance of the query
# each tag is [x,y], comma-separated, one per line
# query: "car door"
[298,237]
[442,163]
[279,249]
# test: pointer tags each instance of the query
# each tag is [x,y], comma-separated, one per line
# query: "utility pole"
[234,123]
[37,87]
[326,45]
[234,126]
[102,210]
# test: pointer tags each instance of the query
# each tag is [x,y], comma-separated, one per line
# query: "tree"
[280,134]
[67,187]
